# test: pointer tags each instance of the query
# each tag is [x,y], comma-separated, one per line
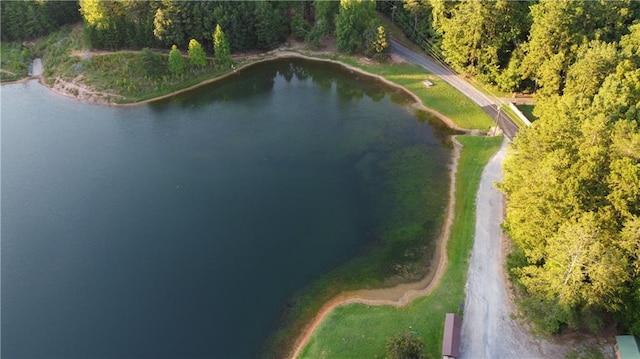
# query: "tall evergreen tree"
[221,47]
[197,57]
[175,62]
[573,187]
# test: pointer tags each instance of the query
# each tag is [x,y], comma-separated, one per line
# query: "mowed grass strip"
[361,331]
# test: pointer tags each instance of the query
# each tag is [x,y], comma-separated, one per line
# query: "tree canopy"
[354,19]
[29,19]
[572,181]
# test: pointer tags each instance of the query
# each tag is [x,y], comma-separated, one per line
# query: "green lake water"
[183,228]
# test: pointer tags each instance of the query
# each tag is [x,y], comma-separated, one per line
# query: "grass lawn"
[527,110]
[14,61]
[360,331]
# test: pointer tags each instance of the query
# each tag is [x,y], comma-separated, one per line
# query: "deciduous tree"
[354,18]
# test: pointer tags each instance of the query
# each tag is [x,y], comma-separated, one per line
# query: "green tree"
[405,346]
[299,27]
[573,187]
[419,10]
[197,57]
[152,63]
[594,62]
[478,38]
[167,23]
[271,24]
[354,18]
[378,47]
[559,28]
[325,14]
[29,19]
[221,47]
[175,62]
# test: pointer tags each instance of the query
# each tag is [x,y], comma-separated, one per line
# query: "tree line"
[572,181]
[514,45]
[24,20]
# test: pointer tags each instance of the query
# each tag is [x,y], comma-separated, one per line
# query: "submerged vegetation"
[360,331]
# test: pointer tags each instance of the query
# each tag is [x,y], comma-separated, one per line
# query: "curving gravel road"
[489,105]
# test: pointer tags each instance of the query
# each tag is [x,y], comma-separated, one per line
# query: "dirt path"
[402,294]
[488,329]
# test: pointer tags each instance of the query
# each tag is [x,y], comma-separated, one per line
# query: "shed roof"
[628,346]
[451,338]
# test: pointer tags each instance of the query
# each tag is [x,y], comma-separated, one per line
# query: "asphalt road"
[489,105]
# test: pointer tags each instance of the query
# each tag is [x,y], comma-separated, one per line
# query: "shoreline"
[96,97]
[399,295]
[402,294]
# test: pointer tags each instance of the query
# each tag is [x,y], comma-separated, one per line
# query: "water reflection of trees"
[259,80]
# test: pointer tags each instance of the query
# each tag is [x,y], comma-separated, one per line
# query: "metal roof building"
[627,347]
[451,337]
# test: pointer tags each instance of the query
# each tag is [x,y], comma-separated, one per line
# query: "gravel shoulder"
[489,329]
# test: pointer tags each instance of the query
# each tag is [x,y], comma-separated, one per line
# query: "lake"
[182,228]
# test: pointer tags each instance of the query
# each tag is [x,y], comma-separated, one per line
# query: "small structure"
[627,347]
[451,337]
[427,83]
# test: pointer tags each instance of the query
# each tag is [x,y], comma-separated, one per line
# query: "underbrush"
[547,316]
[55,51]
[14,61]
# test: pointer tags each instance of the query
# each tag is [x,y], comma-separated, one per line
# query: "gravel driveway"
[487,328]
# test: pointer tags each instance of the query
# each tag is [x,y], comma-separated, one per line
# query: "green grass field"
[360,331]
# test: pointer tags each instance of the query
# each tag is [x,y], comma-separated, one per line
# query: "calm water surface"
[181,228]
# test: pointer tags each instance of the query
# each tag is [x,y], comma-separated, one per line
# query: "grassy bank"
[14,61]
[408,219]
[360,331]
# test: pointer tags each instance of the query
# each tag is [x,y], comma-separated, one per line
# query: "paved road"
[489,105]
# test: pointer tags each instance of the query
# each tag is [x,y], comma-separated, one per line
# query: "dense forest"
[572,180]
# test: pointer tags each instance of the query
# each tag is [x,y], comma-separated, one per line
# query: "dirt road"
[488,331]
